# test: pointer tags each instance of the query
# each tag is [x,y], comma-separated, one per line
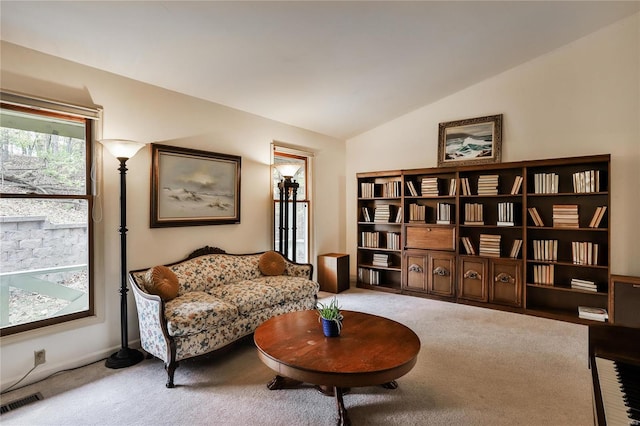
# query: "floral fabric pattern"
[197,311]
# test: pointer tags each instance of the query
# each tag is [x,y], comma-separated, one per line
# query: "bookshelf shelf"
[486,262]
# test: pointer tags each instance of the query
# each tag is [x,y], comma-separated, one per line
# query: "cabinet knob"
[472,275]
[415,268]
[440,271]
[505,278]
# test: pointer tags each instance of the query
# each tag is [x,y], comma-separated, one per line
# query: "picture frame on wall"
[470,141]
[191,187]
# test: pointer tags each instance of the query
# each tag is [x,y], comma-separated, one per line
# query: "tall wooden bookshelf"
[529,236]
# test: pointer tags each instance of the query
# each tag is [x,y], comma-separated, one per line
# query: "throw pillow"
[163,282]
[271,263]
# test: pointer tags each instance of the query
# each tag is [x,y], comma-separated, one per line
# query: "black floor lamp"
[123,150]
[288,193]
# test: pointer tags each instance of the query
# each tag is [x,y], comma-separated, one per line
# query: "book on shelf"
[545,250]
[586,181]
[468,245]
[393,241]
[473,214]
[517,184]
[505,214]
[412,188]
[443,213]
[369,276]
[391,189]
[417,213]
[452,187]
[584,285]
[535,216]
[565,216]
[597,217]
[490,245]
[465,189]
[593,313]
[515,249]
[488,185]
[429,187]
[370,239]
[367,190]
[366,216]
[545,183]
[544,274]
[382,213]
[398,215]
[380,259]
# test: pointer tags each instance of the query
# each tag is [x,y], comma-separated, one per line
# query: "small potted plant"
[331,318]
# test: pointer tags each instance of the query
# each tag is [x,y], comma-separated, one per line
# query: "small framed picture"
[191,187]
[470,141]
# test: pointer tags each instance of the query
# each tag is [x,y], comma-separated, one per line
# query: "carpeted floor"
[476,367]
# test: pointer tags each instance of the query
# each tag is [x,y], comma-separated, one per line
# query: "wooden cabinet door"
[416,268]
[472,278]
[505,285]
[442,274]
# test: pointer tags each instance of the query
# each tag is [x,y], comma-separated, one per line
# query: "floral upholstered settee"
[220,298]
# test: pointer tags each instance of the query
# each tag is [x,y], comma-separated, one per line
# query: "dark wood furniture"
[371,350]
[333,272]
[624,303]
[437,220]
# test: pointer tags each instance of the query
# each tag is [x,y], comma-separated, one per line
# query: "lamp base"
[125,357]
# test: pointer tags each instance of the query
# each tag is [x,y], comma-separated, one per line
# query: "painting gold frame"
[470,141]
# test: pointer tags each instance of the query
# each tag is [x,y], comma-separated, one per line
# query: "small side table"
[333,272]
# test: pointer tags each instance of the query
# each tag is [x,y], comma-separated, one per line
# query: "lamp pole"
[125,357]
[288,189]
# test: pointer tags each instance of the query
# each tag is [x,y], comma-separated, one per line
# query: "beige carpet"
[476,367]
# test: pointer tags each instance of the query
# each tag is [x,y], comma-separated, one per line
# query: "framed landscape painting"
[470,141]
[191,187]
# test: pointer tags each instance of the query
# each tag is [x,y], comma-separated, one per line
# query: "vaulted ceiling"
[338,68]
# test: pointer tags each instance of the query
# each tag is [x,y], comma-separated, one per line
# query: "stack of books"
[592,313]
[443,214]
[565,216]
[584,252]
[587,181]
[468,245]
[535,216]
[380,259]
[545,183]
[429,187]
[543,274]
[515,249]
[417,213]
[585,285]
[382,213]
[473,214]
[369,276]
[545,250]
[488,185]
[489,245]
[505,214]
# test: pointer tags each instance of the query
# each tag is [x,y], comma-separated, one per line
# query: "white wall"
[581,99]
[145,113]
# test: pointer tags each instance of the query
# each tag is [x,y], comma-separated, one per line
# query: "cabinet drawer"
[431,238]
[506,284]
[416,271]
[473,279]
[443,272]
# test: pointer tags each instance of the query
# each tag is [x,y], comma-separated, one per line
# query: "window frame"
[87,195]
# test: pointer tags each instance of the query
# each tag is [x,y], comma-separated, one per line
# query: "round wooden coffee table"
[371,350]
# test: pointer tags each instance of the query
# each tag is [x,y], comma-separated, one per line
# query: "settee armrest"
[293,269]
[154,336]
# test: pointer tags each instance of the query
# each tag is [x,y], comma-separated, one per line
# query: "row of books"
[473,214]
[381,259]
[545,183]
[584,252]
[381,214]
[389,189]
[584,285]
[370,239]
[505,214]
[443,213]
[369,276]
[587,181]
[545,250]
[469,248]
[566,216]
[393,241]
[488,185]
[417,213]
[543,274]
[490,245]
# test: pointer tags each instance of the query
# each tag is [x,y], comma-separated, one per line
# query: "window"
[45,217]
[301,244]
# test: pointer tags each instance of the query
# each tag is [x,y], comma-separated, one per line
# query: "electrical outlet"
[39,357]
